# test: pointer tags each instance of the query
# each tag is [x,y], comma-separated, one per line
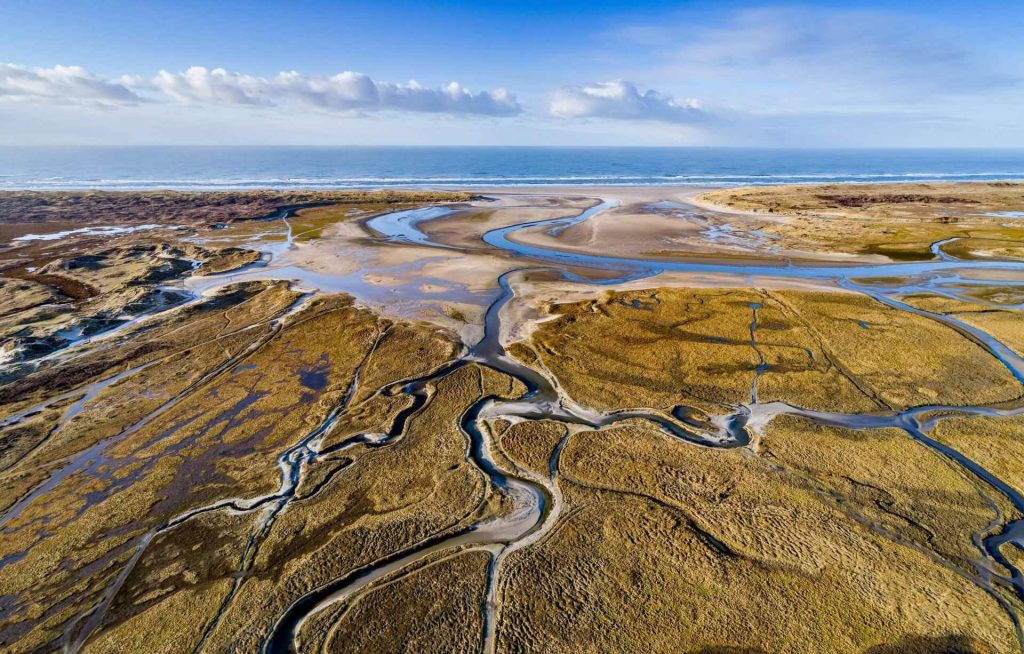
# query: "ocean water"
[211,168]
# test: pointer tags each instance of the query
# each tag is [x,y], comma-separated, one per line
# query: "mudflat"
[783,419]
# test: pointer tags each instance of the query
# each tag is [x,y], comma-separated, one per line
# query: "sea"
[240,168]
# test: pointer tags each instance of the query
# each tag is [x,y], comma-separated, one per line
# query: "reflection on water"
[534,501]
[404,284]
[401,225]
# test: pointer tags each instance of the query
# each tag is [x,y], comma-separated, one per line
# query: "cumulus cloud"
[622,100]
[65,85]
[345,91]
[217,86]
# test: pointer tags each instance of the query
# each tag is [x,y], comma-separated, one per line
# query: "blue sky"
[645,73]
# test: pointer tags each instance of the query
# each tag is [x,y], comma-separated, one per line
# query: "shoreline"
[322,193]
[525,307]
[443,268]
[468,185]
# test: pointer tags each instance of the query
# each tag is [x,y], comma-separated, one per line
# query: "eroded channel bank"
[545,400]
[536,500]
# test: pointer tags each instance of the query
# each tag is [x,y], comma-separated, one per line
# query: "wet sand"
[348,430]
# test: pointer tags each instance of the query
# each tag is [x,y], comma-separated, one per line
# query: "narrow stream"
[536,502]
[544,400]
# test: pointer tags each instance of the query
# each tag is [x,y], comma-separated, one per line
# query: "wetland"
[784,419]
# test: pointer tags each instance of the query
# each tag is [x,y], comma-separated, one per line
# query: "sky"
[822,74]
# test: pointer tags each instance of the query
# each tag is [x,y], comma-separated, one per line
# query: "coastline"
[421,336]
[479,167]
[332,244]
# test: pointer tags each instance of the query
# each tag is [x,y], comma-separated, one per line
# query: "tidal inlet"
[586,419]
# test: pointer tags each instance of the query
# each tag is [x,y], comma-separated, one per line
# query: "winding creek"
[536,500]
[539,499]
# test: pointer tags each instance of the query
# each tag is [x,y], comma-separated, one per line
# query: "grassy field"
[898,221]
[181,482]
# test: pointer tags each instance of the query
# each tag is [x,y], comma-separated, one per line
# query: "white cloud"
[345,91]
[217,86]
[64,85]
[622,100]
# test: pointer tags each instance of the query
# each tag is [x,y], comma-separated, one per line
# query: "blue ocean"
[224,168]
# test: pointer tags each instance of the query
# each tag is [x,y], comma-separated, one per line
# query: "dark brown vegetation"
[183,206]
[836,199]
[143,508]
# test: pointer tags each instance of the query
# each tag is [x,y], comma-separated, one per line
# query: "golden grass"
[433,609]
[385,501]
[811,539]
[529,444]
[996,444]
[668,547]
[899,221]
[826,351]
[220,442]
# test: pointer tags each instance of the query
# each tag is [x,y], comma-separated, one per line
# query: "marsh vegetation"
[204,449]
